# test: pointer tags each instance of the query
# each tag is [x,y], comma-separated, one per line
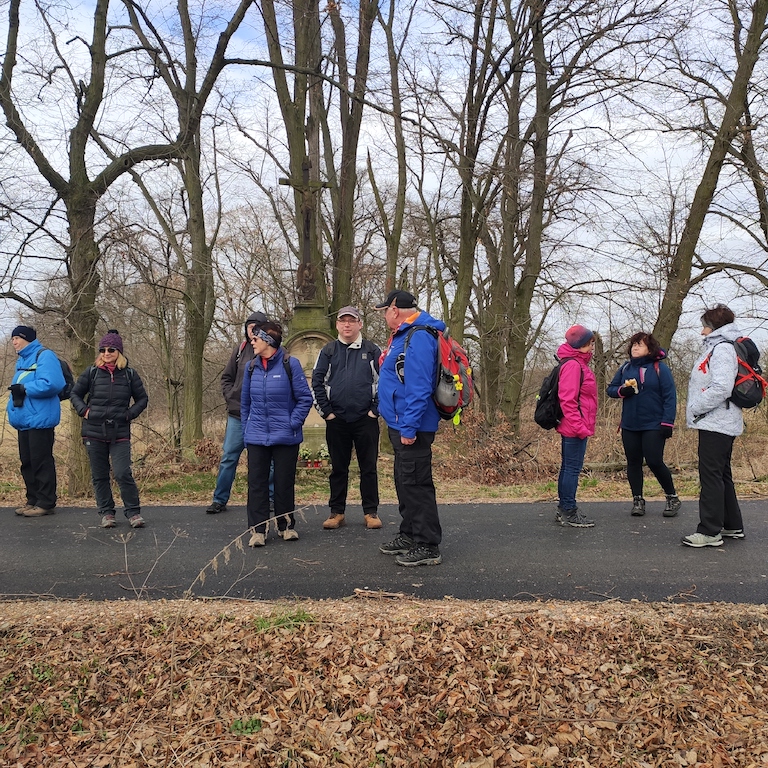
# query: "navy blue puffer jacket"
[655,404]
[272,407]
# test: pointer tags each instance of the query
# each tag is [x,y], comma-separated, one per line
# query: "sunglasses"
[102,350]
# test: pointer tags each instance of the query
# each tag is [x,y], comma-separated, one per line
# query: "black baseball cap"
[401,299]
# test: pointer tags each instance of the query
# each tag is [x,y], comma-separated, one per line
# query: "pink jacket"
[578,394]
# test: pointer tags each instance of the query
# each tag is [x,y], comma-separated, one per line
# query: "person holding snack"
[648,397]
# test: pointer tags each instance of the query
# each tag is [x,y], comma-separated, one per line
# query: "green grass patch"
[244,727]
[284,620]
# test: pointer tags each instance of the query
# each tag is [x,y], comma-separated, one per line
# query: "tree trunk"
[83,259]
[199,302]
[351,111]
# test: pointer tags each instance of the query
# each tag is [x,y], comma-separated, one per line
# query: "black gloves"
[666,431]
[18,393]
[627,391]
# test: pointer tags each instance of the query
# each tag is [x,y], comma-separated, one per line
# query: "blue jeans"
[230,457]
[573,451]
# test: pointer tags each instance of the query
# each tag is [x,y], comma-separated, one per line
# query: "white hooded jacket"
[711,384]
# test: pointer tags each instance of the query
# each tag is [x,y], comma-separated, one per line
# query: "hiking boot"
[398,546]
[372,520]
[672,506]
[25,508]
[421,554]
[39,512]
[137,521]
[732,533]
[574,519]
[215,508]
[108,521]
[336,520]
[257,540]
[638,506]
[702,540]
[289,534]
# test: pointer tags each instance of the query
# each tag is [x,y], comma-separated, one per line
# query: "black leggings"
[648,445]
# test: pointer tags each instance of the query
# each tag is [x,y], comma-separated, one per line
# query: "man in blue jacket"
[406,383]
[34,410]
[345,383]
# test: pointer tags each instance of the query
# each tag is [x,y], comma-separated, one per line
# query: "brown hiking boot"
[39,512]
[372,520]
[25,508]
[333,522]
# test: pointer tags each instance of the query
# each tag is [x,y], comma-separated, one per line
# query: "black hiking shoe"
[672,506]
[638,506]
[574,519]
[215,508]
[398,546]
[421,554]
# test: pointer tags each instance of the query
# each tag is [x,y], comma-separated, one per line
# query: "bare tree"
[747,49]
[518,141]
[79,188]
[180,75]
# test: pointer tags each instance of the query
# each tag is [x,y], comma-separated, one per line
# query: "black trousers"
[260,459]
[115,457]
[341,435]
[38,469]
[718,505]
[416,489]
[649,445]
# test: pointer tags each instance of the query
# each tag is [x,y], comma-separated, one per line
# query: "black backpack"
[66,370]
[548,413]
[749,386]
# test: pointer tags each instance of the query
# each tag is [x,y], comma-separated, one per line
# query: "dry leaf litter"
[383,681]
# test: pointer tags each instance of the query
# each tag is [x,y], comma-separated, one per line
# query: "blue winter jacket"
[272,407]
[43,380]
[656,402]
[407,405]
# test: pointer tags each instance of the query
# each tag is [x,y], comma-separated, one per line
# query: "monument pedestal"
[308,336]
[310,317]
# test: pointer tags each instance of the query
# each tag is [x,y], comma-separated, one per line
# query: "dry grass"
[383,681]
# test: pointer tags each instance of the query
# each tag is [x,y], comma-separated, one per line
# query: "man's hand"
[330,416]
[407,440]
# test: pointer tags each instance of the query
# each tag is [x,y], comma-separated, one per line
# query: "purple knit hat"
[111,339]
[578,336]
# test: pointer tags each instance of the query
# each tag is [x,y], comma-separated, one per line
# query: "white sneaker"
[257,540]
[702,540]
[736,533]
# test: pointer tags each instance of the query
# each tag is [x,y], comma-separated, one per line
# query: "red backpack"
[454,387]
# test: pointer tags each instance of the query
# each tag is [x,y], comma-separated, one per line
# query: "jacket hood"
[254,317]
[566,351]
[729,332]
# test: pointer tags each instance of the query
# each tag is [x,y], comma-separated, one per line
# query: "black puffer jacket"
[107,399]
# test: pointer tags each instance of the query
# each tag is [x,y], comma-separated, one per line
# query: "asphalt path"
[490,551]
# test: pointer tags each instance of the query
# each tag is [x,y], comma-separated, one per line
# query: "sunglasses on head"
[102,350]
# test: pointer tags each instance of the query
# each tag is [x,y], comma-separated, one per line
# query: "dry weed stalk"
[225,553]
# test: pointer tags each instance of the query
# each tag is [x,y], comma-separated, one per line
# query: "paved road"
[490,551]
